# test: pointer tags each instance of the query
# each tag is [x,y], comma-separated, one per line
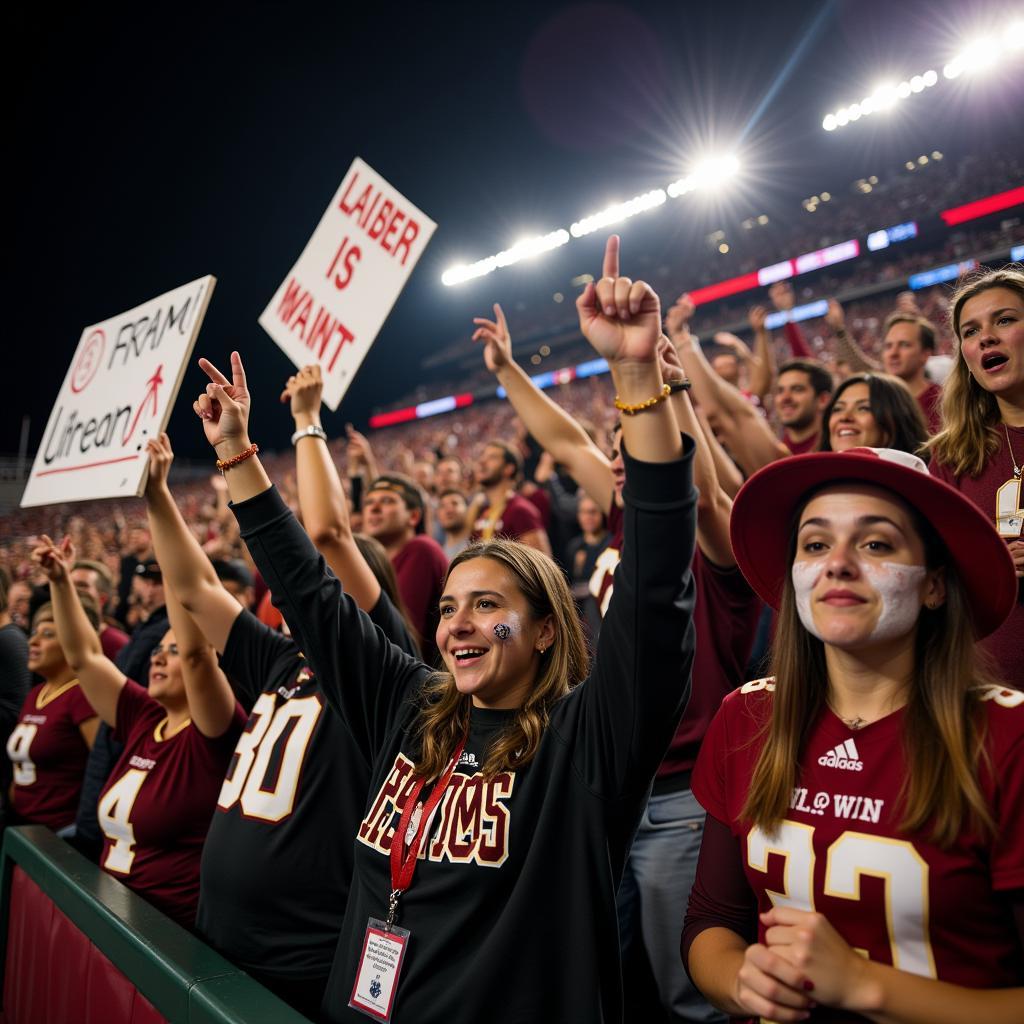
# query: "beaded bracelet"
[649,403]
[225,464]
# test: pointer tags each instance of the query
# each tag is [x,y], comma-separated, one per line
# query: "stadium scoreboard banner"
[117,394]
[334,301]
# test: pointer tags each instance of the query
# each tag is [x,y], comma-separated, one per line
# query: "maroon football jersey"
[157,804]
[896,897]
[48,755]
[518,517]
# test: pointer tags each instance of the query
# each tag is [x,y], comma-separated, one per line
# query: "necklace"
[1009,447]
[850,723]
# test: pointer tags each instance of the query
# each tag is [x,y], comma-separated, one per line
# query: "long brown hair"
[970,414]
[444,714]
[943,725]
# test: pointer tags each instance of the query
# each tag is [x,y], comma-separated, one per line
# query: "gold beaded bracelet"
[225,464]
[649,403]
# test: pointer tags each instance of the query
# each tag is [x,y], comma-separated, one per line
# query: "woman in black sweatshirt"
[512,792]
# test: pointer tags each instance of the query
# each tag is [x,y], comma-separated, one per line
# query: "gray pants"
[654,892]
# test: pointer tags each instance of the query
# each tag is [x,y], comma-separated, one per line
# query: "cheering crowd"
[719,662]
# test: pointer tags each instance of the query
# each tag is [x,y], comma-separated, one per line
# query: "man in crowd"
[94,580]
[802,392]
[139,546]
[393,514]
[19,601]
[237,580]
[454,521]
[908,342]
[506,513]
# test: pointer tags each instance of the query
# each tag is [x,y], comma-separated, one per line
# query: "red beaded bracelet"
[226,464]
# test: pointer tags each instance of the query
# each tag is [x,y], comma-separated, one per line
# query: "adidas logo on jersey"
[844,756]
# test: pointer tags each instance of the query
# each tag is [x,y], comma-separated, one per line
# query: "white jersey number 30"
[270,799]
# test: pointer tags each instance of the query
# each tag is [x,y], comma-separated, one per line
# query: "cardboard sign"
[333,303]
[116,395]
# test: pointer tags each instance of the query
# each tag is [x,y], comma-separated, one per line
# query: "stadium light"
[709,173]
[979,56]
[618,212]
[521,250]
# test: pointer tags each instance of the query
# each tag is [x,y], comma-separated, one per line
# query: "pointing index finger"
[611,257]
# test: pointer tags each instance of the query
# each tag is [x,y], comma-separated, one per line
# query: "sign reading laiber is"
[334,301]
[117,393]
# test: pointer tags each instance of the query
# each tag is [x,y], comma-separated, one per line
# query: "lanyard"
[402,869]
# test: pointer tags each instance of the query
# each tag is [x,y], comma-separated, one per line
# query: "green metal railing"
[183,978]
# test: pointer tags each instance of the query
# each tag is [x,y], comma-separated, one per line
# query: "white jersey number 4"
[114,812]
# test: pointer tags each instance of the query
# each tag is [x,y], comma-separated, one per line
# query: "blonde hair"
[943,726]
[444,716]
[970,414]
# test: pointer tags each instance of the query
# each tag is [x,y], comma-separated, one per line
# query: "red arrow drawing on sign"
[152,385]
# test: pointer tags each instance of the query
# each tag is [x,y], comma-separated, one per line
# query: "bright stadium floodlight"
[978,57]
[617,212]
[521,250]
[711,172]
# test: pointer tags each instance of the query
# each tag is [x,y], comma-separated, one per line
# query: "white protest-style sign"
[334,301]
[117,394]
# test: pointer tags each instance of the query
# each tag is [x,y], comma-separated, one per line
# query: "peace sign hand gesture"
[224,408]
[620,317]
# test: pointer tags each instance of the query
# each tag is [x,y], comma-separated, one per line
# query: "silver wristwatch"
[311,431]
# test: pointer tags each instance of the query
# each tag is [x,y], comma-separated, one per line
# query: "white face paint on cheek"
[899,587]
[804,576]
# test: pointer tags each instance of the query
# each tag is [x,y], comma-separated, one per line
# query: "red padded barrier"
[143,1011]
[53,973]
[26,984]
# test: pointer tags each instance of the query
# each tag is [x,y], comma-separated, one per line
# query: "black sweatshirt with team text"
[512,907]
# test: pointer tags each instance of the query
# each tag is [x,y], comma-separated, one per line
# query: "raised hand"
[621,318]
[224,406]
[303,391]
[735,345]
[757,317]
[669,362]
[677,319]
[360,453]
[906,302]
[54,561]
[160,458]
[781,294]
[497,341]
[835,317]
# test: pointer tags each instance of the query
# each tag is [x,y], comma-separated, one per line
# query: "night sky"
[157,144]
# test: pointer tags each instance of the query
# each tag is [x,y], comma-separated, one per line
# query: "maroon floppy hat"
[762,517]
